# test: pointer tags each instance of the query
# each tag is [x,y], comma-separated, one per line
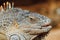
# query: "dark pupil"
[31,18]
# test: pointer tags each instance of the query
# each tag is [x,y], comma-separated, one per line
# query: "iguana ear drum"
[14,37]
[17,37]
[3,36]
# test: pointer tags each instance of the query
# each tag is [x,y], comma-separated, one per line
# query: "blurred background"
[49,8]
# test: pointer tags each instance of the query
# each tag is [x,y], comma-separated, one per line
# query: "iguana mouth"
[46,25]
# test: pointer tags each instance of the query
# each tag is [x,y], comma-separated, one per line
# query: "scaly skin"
[22,23]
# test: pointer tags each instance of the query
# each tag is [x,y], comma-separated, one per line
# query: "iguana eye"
[33,20]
